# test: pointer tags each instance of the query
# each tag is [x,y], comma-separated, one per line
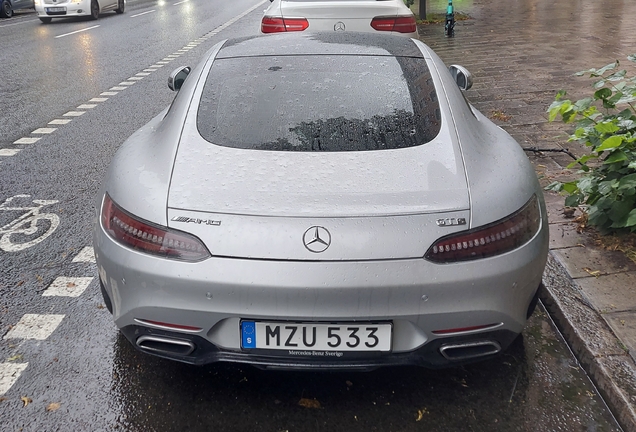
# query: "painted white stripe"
[142,73]
[26,141]
[34,326]
[85,255]
[178,3]
[60,121]
[135,78]
[98,100]
[150,70]
[77,31]
[9,374]
[108,93]
[67,287]
[74,113]
[143,13]
[156,66]
[126,83]
[17,23]
[174,55]
[117,88]
[9,152]
[86,106]
[44,131]
[164,62]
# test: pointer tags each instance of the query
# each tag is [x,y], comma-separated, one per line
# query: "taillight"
[404,24]
[143,236]
[490,240]
[278,24]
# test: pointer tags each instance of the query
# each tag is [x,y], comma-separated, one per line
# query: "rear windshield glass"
[319,103]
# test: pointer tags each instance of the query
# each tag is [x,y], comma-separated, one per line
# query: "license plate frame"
[312,338]
[56,9]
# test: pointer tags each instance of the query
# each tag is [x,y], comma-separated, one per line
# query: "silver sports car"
[325,200]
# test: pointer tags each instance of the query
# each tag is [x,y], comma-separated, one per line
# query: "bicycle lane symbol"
[28,229]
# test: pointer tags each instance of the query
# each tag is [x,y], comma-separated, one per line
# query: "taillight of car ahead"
[494,239]
[149,238]
[279,24]
[404,24]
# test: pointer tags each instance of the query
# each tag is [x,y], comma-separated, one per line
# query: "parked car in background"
[49,9]
[388,16]
[321,200]
[8,6]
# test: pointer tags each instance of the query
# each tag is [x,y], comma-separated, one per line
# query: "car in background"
[8,6]
[316,201]
[388,16]
[49,9]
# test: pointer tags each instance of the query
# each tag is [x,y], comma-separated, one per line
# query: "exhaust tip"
[469,350]
[166,346]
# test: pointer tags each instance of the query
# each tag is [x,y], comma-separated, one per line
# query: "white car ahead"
[49,9]
[389,16]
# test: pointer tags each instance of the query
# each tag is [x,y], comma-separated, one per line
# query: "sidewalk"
[521,53]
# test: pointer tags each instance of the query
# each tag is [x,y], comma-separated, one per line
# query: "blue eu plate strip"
[248,333]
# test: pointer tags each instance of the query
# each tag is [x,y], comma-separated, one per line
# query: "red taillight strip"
[278,24]
[146,237]
[493,239]
[403,24]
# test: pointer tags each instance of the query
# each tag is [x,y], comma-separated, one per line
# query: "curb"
[598,350]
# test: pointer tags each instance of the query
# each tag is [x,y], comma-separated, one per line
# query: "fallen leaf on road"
[70,285]
[53,406]
[2,399]
[309,403]
[15,357]
[595,273]
[26,400]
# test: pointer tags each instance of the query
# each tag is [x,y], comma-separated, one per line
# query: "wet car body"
[235,227]
[386,16]
[49,9]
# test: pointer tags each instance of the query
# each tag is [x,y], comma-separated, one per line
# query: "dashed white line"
[126,83]
[178,3]
[117,88]
[150,70]
[60,121]
[26,140]
[142,73]
[156,66]
[143,13]
[9,374]
[74,113]
[77,31]
[135,78]
[9,152]
[98,100]
[34,326]
[108,93]
[44,131]
[86,106]
[67,287]
[85,255]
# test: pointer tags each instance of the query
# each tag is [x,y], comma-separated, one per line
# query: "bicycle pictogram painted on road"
[28,229]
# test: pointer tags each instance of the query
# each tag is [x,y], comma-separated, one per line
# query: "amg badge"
[196,221]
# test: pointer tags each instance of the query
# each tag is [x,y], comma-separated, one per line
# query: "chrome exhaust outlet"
[164,345]
[469,350]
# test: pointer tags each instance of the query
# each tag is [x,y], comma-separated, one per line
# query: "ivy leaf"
[569,187]
[603,93]
[610,143]
[627,182]
[632,58]
[617,156]
[573,200]
[606,127]
[631,219]
[617,76]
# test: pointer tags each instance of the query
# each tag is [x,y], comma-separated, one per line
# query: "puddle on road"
[535,386]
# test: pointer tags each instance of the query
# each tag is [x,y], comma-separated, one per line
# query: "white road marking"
[26,141]
[108,93]
[86,106]
[150,70]
[164,62]
[9,152]
[126,83]
[85,255]
[67,287]
[60,121]
[156,66]
[178,3]
[74,113]
[135,78]
[44,131]
[117,88]
[77,31]
[143,13]
[98,100]
[142,73]
[173,55]
[9,374]
[18,23]
[34,326]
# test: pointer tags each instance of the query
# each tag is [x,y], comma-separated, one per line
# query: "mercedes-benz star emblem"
[317,239]
[339,26]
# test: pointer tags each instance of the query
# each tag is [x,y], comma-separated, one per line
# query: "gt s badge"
[196,221]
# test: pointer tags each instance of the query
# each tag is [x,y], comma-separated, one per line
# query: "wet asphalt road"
[84,376]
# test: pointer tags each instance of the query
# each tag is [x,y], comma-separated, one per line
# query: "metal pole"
[449,26]
[422,8]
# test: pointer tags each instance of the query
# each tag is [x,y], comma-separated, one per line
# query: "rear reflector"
[168,325]
[279,24]
[146,237]
[404,24]
[490,240]
[464,329]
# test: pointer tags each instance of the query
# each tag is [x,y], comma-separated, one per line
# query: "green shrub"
[409,3]
[606,123]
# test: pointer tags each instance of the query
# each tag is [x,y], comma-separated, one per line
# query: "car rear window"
[319,103]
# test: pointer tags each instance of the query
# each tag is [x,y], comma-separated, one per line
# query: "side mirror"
[463,78]
[177,77]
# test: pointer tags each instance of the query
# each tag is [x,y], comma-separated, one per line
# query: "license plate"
[316,337]
[55,9]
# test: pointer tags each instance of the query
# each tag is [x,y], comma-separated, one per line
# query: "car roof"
[330,43]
